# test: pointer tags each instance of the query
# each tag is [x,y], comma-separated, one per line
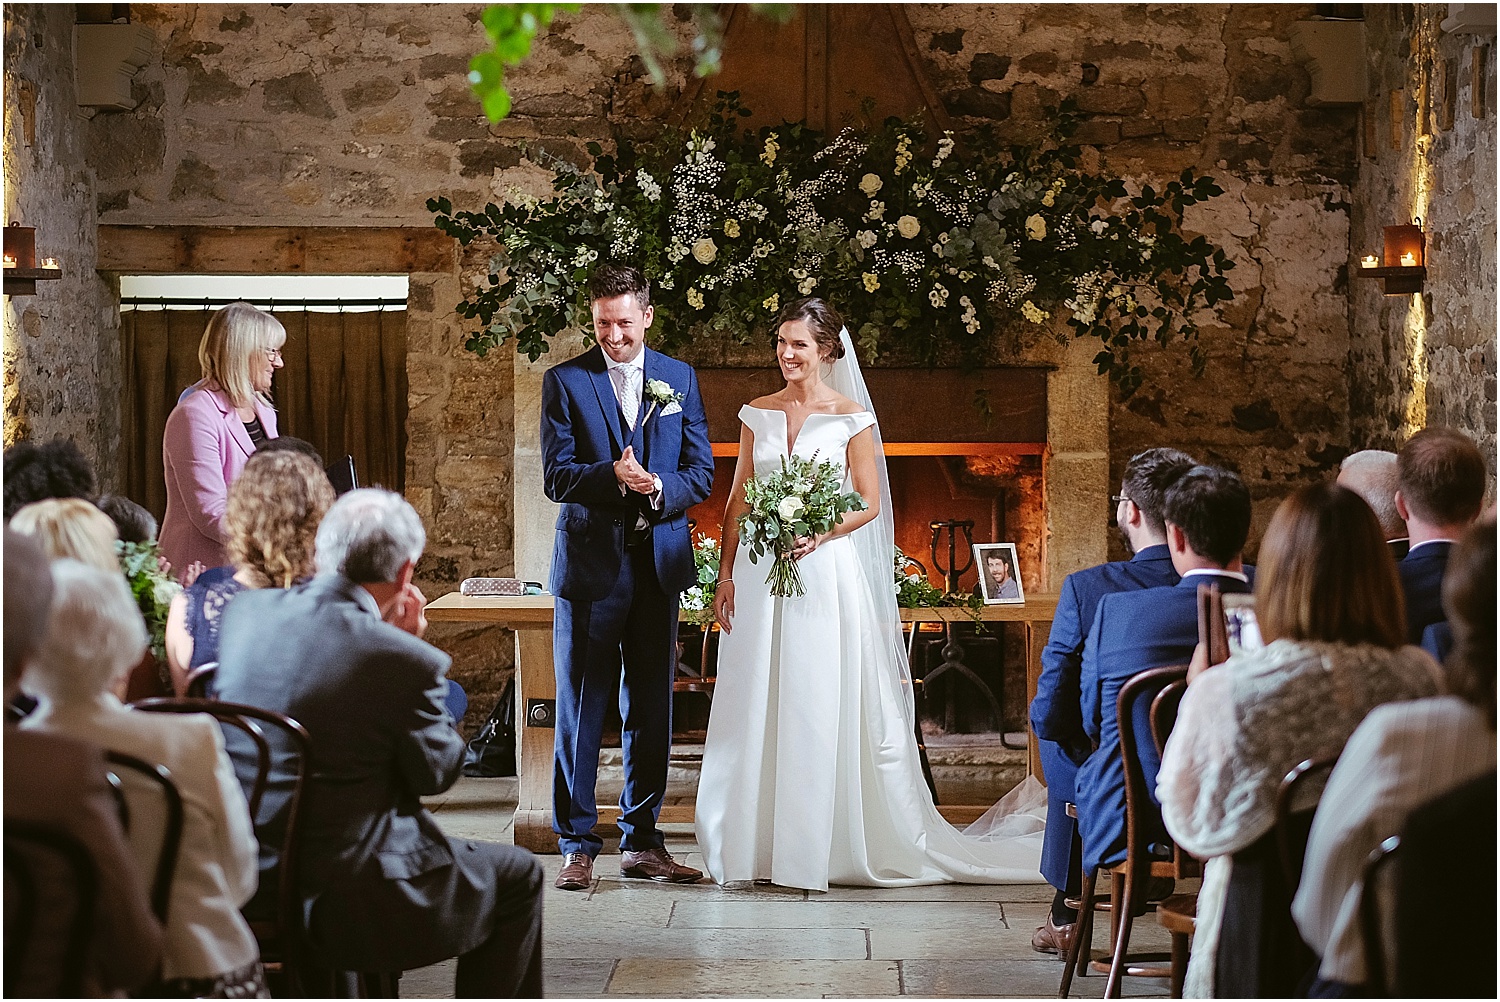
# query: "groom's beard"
[1125,538]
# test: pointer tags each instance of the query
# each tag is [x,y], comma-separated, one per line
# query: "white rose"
[908,226]
[867,239]
[870,184]
[790,507]
[705,251]
[1036,227]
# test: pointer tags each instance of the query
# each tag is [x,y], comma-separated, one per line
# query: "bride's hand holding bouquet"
[791,511]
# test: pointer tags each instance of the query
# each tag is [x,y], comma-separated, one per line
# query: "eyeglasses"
[1117,498]
[273,354]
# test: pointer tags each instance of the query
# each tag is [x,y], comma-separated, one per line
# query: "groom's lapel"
[609,407]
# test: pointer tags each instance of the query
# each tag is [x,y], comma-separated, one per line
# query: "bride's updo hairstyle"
[822,320]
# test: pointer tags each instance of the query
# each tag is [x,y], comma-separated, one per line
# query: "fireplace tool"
[952,650]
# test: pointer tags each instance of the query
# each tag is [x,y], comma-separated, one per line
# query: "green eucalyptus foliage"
[922,243]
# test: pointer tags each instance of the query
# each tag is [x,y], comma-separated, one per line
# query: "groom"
[625,451]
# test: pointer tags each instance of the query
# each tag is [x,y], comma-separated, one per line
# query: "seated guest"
[1372,474]
[96,637]
[1329,608]
[1440,494]
[271,519]
[1402,755]
[1207,516]
[38,471]
[71,528]
[133,523]
[58,783]
[1056,716]
[384,889]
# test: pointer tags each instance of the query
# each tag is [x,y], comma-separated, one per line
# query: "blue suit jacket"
[1132,631]
[1422,581]
[583,433]
[1055,709]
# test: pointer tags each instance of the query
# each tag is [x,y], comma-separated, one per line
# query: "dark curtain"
[343,389]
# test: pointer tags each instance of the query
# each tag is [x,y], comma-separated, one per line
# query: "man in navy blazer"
[1207,514]
[625,452]
[1440,491]
[1056,712]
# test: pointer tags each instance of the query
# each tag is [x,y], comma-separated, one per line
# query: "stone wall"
[345,114]
[1428,359]
[61,353]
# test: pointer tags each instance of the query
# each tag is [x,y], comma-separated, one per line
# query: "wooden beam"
[262,250]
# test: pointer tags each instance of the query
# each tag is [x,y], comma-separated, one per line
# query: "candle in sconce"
[1369,261]
[1408,260]
[10,260]
[50,263]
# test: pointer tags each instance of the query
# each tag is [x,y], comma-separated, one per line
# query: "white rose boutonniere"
[908,226]
[705,250]
[659,393]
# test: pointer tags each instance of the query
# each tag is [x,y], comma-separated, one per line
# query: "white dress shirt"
[633,409]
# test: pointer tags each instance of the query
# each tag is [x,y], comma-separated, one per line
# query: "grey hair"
[1372,474]
[368,534]
[95,638]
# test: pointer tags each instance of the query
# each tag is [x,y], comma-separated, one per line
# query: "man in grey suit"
[384,890]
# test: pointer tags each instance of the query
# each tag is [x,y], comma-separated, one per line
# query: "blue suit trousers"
[1062,852]
[625,642]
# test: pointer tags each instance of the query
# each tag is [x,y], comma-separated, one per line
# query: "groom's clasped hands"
[631,475]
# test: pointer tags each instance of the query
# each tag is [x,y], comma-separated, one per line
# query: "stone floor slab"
[1008,979]
[754,978]
[938,892]
[625,940]
[575,978]
[772,913]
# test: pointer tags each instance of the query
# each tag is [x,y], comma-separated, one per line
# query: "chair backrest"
[1137,697]
[1371,917]
[171,840]
[25,845]
[200,681]
[1164,711]
[1213,626]
[275,824]
[1292,825]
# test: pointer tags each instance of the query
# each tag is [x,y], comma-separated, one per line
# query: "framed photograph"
[999,582]
[1244,631]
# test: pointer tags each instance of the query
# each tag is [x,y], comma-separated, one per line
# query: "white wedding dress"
[810,769]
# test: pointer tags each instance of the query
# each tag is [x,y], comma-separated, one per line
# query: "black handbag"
[492,752]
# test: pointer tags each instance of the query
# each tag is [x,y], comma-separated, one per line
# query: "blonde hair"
[1326,573]
[70,528]
[230,341]
[96,635]
[272,517]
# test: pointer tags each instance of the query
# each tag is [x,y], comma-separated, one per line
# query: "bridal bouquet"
[803,498]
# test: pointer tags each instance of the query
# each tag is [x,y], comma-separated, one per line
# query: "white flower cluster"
[648,185]
[747,209]
[970,316]
[1088,290]
[1002,290]
[945,147]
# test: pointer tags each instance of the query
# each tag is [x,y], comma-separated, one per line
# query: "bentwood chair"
[200,681]
[1129,878]
[280,750]
[171,840]
[33,853]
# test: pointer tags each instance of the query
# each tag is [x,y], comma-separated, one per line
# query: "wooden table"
[536,689]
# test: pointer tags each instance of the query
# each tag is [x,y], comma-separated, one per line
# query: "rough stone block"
[988,66]
[1097,132]
[977,102]
[370,93]
[1135,128]
[297,94]
[1110,100]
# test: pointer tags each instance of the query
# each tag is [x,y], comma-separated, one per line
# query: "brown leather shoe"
[657,864]
[577,872]
[1052,938]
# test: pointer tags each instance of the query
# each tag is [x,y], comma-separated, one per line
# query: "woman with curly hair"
[271,520]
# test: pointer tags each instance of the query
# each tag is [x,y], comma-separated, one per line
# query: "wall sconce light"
[21,271]
[1403,265]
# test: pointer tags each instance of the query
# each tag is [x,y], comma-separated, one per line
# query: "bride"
[810,770]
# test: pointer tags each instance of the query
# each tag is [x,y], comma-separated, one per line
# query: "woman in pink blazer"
[214,429]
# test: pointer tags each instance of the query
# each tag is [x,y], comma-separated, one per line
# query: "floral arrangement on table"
[915,591]
[152,588]
[698,601]
[920,244]
[802,498]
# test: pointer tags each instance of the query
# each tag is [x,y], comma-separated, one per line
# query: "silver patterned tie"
[628,388]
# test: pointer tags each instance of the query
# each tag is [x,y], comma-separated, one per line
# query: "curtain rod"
[269,301]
